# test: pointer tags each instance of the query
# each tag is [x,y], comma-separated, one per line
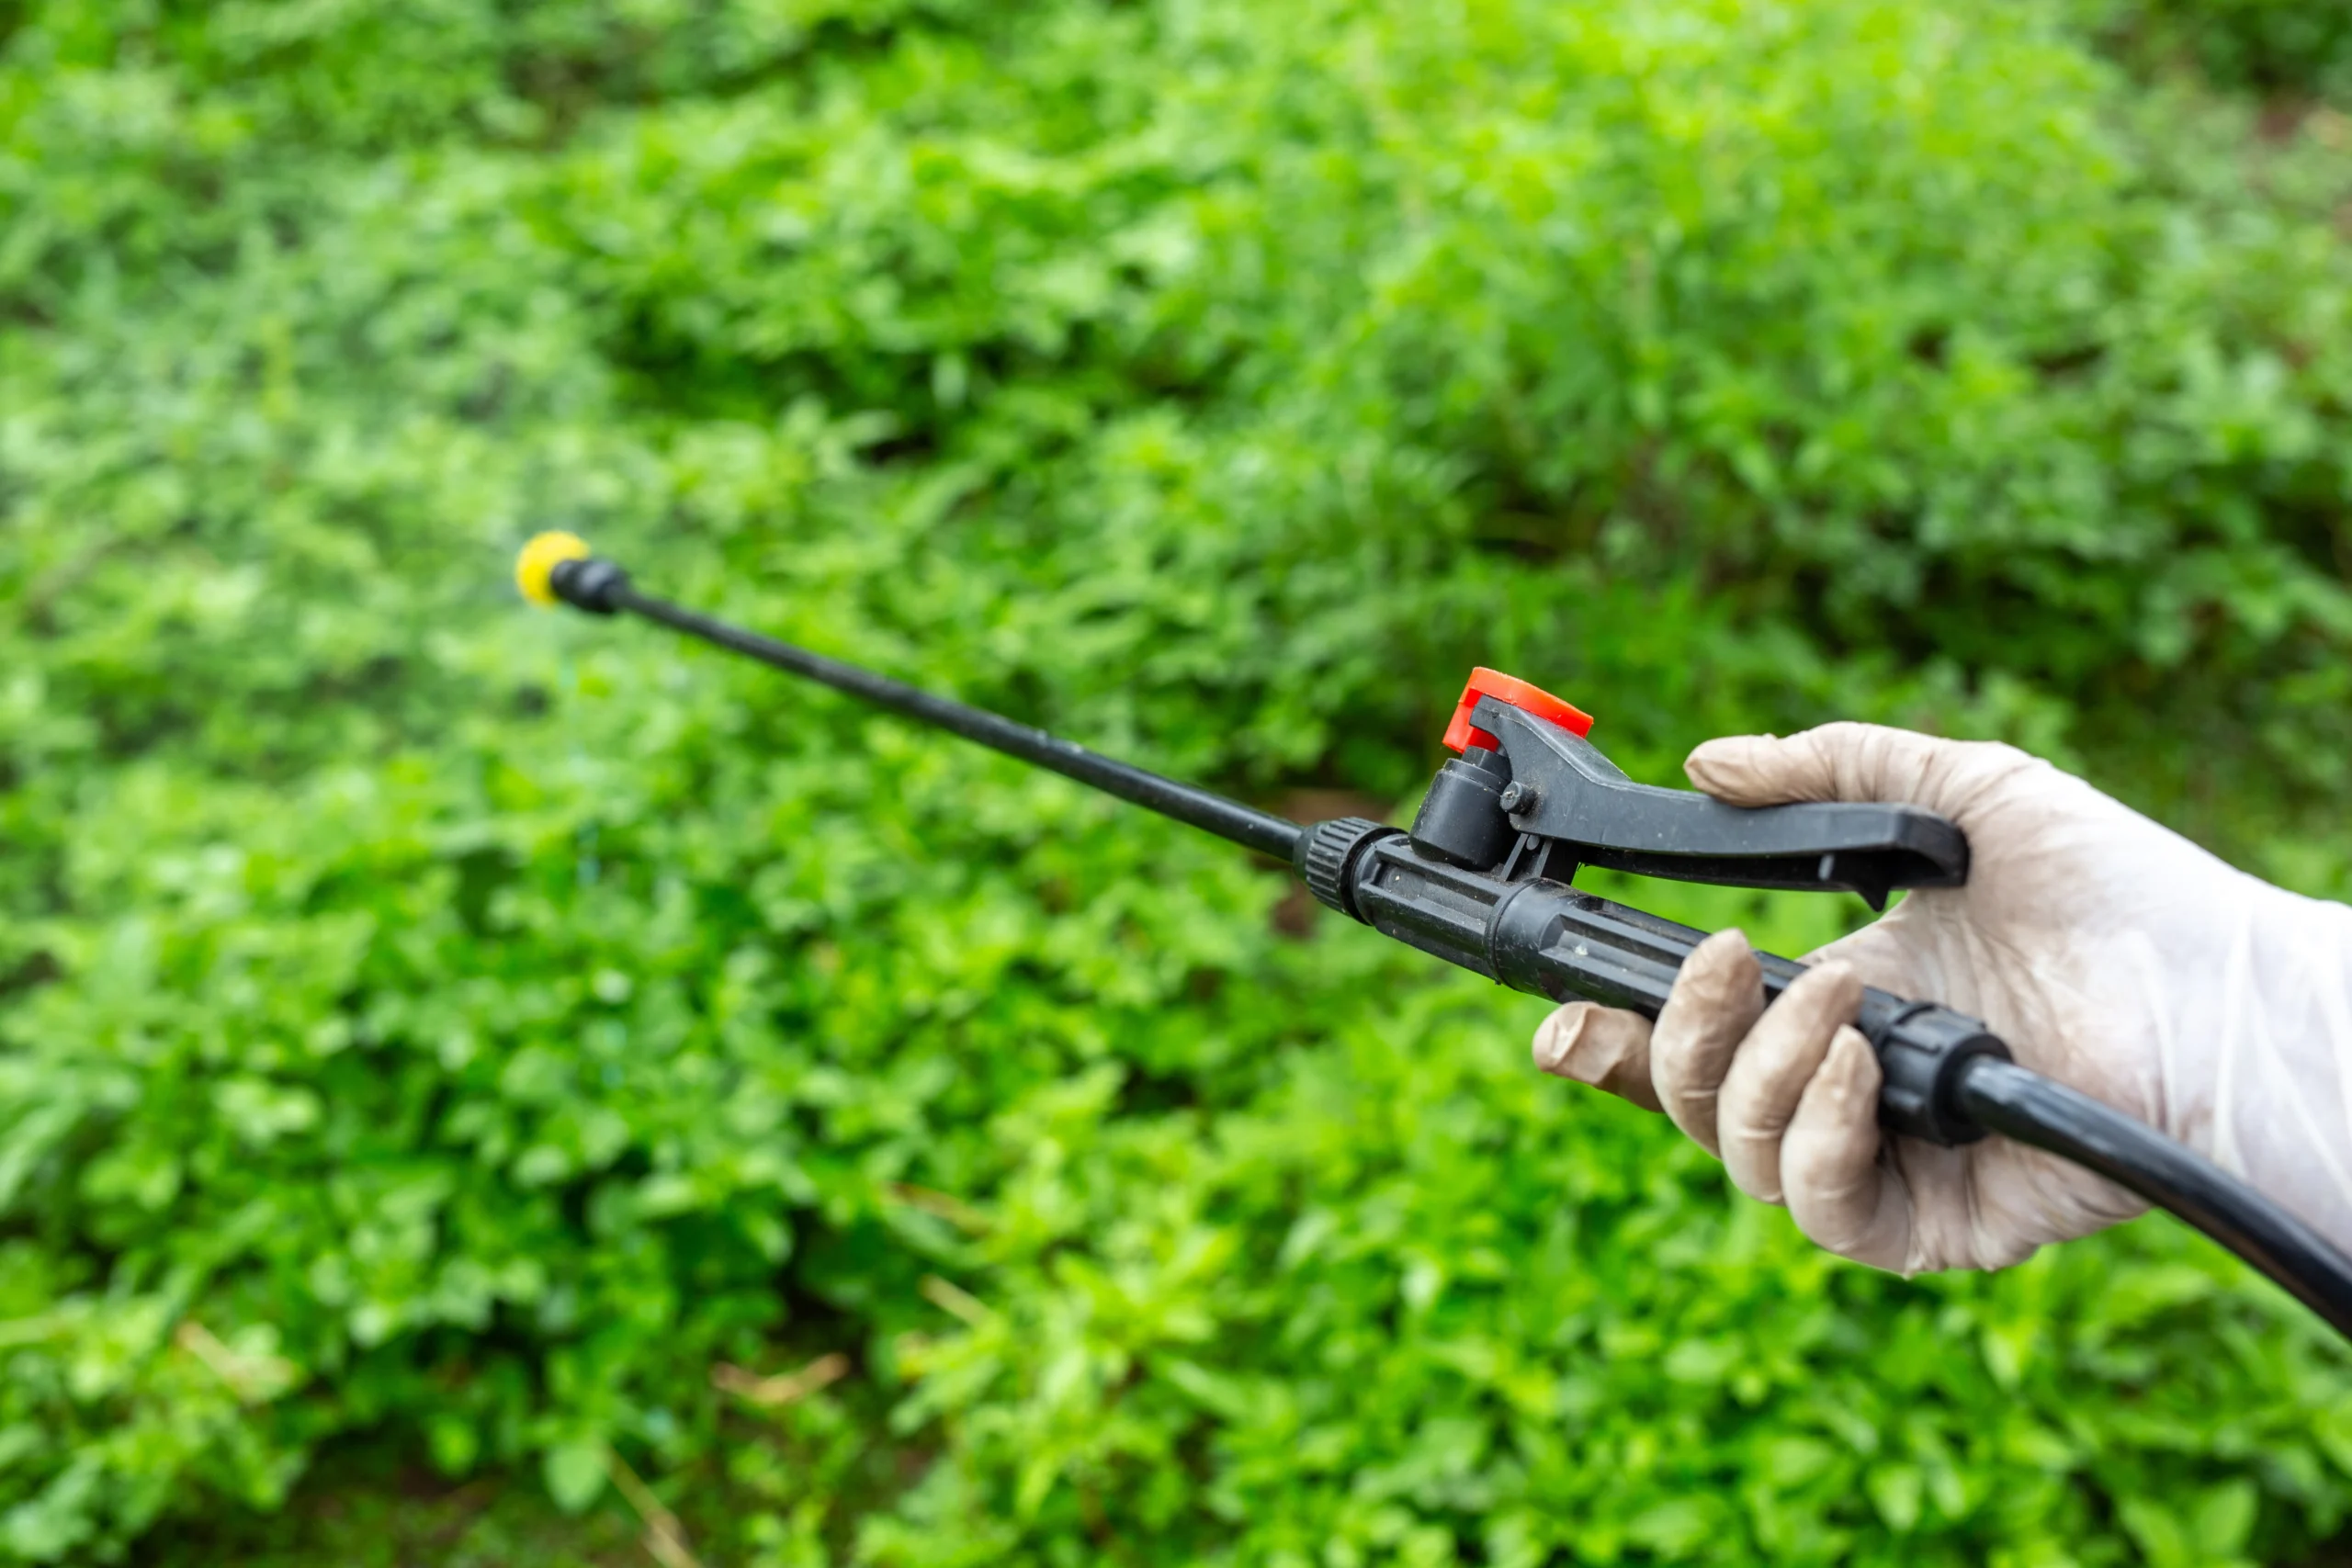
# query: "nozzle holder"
[595,584]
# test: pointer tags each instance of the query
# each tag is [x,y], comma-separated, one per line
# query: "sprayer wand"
[1482,880]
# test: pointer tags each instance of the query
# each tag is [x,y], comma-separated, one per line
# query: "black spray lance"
[1482,880]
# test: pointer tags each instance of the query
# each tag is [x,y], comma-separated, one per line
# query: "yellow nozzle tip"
[535,568]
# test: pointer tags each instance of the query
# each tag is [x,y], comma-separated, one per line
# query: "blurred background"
[486,1087]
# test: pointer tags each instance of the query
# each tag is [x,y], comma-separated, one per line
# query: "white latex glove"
[2112,954]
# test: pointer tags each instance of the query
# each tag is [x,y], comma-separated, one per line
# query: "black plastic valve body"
[1541,936]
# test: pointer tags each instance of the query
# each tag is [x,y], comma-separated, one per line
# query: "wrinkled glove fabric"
[2111,954]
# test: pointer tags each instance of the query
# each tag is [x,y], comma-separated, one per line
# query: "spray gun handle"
[1529,793]
[1545,938]
[1948,1079]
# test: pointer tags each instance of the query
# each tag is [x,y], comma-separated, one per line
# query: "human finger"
[1840,1193]
[1852,762]
[1606,1047]
[1717,998]
[1770,1071]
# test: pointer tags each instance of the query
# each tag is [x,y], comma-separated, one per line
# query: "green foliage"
[427,1021]
[2288,47]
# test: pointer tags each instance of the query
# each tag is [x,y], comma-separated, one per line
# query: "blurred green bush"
[2287,51]
[431,1022]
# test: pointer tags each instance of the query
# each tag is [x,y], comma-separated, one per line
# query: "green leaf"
[575,1472]
[1896,1491]
[2224,1521]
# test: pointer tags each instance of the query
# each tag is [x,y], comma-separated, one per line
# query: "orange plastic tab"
[1485,682]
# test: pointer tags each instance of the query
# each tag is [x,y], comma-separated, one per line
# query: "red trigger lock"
[1527,699]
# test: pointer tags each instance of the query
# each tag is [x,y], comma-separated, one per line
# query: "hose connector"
[1924,1051]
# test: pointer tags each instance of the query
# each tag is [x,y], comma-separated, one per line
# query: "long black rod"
[1228,818]
[2005,1097]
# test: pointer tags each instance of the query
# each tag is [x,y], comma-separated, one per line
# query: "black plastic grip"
[1549,940]
[1561,789]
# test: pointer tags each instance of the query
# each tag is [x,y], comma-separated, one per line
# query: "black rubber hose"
[2008,1099]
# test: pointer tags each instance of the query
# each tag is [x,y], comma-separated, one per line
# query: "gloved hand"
[2112,954]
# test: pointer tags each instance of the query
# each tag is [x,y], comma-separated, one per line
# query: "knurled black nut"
[1328,850]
